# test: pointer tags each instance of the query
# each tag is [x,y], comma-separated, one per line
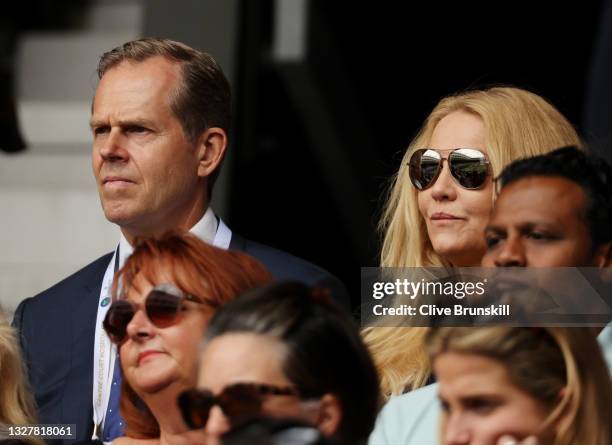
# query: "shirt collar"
[205,229]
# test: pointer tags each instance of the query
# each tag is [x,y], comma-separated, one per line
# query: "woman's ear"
[211,147]
[330,415]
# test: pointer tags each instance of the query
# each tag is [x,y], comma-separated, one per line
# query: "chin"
[153,378]
[152,384]
[121,216]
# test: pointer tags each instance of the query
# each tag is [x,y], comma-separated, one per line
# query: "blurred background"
[327,95]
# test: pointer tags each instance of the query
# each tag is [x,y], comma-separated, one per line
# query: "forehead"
[529,200]
[242,357]
[463,374]
[459,129]
[129,86]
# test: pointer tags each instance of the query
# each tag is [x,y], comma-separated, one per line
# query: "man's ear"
[330,415]
[603,256]
[211,147]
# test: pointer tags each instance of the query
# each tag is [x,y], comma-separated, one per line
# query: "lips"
[145,354]
[441,216]
[116,180]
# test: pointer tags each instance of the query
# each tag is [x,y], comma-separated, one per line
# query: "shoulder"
[67,291]
[407,419]
[88,275]
[284,266]
[279,262]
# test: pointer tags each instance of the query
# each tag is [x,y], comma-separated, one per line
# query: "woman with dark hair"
[284,351]
[164,297]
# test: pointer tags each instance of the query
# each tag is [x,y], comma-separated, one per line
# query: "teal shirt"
[409,419]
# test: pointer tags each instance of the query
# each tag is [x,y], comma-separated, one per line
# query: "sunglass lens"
[469,167]
[195,406]
[117,318]
[162,308]
[240,403]
[424,168]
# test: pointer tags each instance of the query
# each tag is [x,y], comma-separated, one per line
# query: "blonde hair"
[562,368]
[518,124]
[16,401]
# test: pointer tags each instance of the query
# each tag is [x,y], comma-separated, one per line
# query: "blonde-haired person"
[506,384]
[16,401]
[443,224]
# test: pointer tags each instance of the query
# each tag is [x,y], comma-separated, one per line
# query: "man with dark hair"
[160,121]
[553,210]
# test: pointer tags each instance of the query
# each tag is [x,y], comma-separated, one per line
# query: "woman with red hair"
[163,299]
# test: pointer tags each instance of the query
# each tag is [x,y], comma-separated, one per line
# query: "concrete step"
[52,222]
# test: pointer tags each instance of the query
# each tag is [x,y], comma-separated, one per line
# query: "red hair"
[211,275]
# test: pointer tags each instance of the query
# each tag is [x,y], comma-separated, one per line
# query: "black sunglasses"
[469,167]
[239,402]
[162,306]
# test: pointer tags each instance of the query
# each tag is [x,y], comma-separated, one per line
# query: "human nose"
[444,189]
[139,327]
[111,147]
[511,253]
[217,424]
[455,431]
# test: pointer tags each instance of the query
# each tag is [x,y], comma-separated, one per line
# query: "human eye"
[480,405]
[100,130]
[492,239]
[541,235]
[136,129]
[444,405]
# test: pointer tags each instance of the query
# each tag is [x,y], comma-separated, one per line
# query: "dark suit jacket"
[57,330]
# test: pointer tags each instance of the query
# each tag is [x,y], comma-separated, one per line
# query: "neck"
[173,430]
[157,227]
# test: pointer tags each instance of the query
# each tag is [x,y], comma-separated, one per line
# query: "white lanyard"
[105,352]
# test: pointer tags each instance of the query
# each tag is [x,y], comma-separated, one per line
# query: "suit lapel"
[237,242]
[82,318]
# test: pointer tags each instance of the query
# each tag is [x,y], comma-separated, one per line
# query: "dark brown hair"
[325,352]
[202,99]
[210,274]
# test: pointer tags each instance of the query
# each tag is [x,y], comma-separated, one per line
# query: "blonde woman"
[507,383]
[16,402]
[435,213]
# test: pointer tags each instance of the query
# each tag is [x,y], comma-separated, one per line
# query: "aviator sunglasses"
[469,167]
[239,402]
[162,306]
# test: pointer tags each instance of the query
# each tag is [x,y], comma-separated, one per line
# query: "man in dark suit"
[160,118]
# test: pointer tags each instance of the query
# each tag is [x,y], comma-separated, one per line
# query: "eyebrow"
[94,123]
[495,229]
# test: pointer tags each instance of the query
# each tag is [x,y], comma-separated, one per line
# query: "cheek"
[513,421]
[423,201]
[477,204]
[185,338]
